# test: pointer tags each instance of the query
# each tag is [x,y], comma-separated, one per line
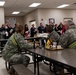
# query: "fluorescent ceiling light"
[16,12]
[2,3]
[34,4]
[62,6]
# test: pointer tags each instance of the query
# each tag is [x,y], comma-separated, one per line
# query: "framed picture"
[66,19]
[51,20]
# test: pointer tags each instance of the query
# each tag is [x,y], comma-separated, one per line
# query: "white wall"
[2,21]
[59,15]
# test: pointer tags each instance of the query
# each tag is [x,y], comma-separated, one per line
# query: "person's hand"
[36,45]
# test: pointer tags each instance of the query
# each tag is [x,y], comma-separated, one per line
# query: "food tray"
[54,49]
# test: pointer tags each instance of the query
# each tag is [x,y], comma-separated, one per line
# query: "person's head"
[40,24]
[46,25]
[56,25]
[49,29]
[20,29]
[26,25]
[33,25]
[3,25]
[61,23]
[68,23]
[7,23]
[17,24]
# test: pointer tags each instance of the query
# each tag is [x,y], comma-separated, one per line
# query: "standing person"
[12,49]
[3,28]
[2,32]
[7,28]
[56,27]
[60,26]
[16,25]
[68,39]
[26,30]
[63,29]
[41,28]
[33,30]
[45,29]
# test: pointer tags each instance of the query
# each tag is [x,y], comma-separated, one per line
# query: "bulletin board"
[12,21]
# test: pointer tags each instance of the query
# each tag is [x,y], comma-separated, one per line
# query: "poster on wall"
[51,20]
[11,21]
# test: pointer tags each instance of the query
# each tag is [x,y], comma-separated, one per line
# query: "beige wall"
[59,15]
[45,14]
[2,21]
[31,16]
[18,19]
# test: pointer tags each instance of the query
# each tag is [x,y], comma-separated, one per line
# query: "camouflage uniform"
[54,36]
[68,39]
[11,52]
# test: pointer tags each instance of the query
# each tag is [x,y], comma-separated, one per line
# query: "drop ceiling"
[23,5]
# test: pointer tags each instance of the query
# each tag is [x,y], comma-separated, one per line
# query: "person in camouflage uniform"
[53,35]
[68,39]
[11,51]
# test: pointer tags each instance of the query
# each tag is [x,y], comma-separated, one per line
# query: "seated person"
[11,51]
[68,39]
[53,36]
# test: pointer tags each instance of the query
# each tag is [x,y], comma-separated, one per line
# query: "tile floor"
[2,67]
[44,69]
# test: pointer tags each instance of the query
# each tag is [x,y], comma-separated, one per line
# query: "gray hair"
[70,22]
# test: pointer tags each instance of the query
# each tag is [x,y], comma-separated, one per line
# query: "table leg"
[37,65]
[40,43]
[34,43]
[74,73]
[34,64]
